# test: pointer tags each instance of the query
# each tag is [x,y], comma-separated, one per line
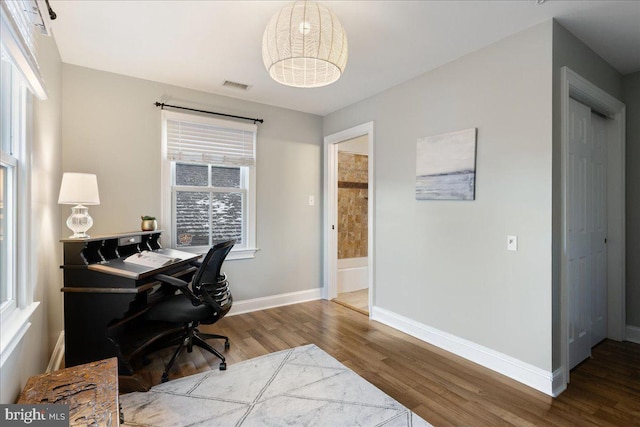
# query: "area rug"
[303,386]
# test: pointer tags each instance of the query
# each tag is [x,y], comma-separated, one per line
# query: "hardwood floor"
[356,300]
[442,388]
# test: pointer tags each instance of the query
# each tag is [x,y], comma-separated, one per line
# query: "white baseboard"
[272,301]
[558,384]
[633,334]
[58,354]
[532,376]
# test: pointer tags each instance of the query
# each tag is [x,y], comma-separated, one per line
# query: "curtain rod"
[162,105]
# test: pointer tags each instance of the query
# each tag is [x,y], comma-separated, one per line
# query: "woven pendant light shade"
[304,45]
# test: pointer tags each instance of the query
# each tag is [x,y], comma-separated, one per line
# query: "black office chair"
[207,301]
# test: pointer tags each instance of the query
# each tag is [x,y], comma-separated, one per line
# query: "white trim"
[558,384]
[272,301]
[572,85]
[511,367]
[330,285]
[243,253]
[58,354]
[633,334]
[13,330]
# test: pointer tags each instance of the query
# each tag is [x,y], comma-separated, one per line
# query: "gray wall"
[445,263]
[631,97]
[32,355]
[112,129]
[571,52]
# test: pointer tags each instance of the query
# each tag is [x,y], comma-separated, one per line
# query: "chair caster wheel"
[227,345]
[165,378]
[223,366]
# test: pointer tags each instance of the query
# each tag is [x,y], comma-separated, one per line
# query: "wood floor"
[357,300]
[442,388]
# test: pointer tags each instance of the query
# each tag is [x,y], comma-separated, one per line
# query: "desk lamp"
[79,189]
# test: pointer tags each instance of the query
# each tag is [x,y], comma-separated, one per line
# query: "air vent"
[236,85]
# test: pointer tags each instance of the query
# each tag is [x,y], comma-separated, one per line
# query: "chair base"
[194,337]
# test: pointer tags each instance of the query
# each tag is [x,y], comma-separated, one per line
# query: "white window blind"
[19,39]
[225,144]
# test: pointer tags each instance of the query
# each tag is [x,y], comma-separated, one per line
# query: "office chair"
[205,302]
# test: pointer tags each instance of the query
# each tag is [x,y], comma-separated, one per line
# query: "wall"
[571,52]
[112,129]
[32,355]
[352,205]
[444,264]
[631,97]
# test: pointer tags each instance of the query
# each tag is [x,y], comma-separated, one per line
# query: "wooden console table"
[90,390]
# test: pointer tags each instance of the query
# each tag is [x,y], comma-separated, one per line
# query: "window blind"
[199,142]
[19,41]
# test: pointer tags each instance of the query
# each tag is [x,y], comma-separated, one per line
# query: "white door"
[578,235]
[599,232]
[586,231]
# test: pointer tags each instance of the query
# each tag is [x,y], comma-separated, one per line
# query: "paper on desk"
[150,259]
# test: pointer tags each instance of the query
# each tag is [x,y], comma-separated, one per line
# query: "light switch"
[312,200]
[512,243]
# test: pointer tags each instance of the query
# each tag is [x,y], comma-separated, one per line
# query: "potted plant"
[149,223]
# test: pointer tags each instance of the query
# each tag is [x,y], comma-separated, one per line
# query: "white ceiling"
[200,44]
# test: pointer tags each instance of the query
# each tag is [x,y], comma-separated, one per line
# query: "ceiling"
[200,44]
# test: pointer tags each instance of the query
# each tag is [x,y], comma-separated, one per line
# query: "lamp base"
[79,222]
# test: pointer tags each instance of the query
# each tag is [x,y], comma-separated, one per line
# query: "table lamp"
[79,189]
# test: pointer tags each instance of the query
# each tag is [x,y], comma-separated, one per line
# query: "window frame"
[247,187]
[16,163]
[15,314]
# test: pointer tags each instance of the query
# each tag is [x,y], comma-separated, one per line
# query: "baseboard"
[525,373]
[633,334]
[558,384]
[58,354]
[272,301]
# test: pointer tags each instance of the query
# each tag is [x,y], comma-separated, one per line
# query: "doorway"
[351,224]
[592,264]
[349,216]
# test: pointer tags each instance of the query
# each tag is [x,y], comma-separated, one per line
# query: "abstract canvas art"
[446,166]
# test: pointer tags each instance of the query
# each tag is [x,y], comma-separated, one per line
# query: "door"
[578,236]
[599,232]
[586,231]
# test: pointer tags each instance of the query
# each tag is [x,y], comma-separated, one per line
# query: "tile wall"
[352,205]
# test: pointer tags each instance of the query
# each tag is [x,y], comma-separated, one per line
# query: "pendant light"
[304,45]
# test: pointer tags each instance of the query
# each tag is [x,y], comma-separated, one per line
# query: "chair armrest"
[182,286]
[170,280]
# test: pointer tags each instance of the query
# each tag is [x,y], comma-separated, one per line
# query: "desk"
[105,299]
[90,390]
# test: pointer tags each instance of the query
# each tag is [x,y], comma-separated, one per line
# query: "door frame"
[330,286]
[574,86]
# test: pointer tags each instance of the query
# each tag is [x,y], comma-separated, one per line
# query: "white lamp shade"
[79,189]
[304,45]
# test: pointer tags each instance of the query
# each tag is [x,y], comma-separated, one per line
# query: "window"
[12,129]
[209,175]
[20,79]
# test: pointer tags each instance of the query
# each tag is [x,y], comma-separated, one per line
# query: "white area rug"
[303,386]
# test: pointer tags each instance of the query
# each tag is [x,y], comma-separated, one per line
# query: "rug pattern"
[303,386]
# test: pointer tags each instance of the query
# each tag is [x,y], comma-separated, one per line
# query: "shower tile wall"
[352,205]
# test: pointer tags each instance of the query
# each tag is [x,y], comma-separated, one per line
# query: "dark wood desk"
[90,390]
[105,298]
